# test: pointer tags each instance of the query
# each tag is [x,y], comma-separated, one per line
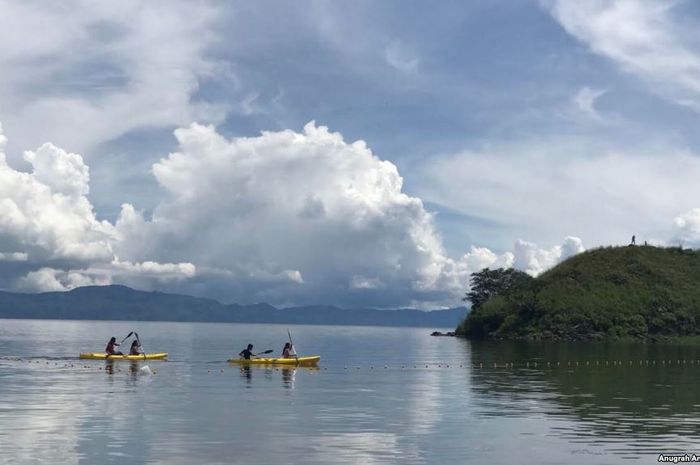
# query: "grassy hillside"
[634,292]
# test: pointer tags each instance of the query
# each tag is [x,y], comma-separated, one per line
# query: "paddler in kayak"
[247,353]
[288,351]
[110,347]
[135,348]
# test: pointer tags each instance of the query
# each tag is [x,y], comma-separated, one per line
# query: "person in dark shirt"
[110,347]
[247,353]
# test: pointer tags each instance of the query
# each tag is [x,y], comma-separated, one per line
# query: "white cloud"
[52,280]
[100,274]
[161,271]
[642,37]
[47,215]
[306,206]
[248,104]
[86,72]
[326,216]
[13,257]
[42,280]
[571,246]
[687,228]
[585,99]
[46,210]
[533,260]
[282,217]
[63,172]
[479,258]
[397,57]
[551,187]
[526,256]
[363,282]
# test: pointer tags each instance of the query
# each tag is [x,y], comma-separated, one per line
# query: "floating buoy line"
[532,365]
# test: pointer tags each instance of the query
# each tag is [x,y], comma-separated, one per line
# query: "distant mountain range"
[124,303]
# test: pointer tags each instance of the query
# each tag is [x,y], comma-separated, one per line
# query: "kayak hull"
[104,356]
[310,360]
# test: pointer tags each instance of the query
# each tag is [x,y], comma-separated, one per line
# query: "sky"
[367,154]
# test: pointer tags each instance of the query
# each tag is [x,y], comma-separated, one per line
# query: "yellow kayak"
[104,356]
[310,360]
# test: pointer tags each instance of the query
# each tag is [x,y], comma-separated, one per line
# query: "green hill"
[635,292]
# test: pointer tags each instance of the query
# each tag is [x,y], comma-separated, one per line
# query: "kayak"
[104,356]
[310,360]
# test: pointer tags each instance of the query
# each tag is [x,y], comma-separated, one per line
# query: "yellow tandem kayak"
[104,356]
[310,360]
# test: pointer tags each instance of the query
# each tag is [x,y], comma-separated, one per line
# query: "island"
[633,292]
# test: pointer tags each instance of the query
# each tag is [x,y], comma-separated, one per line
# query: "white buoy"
[145,371]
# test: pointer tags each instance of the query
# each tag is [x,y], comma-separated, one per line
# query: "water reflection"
[247,373]
[288,377]
[626,397]
[287,374]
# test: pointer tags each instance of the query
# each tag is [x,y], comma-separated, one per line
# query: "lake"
[379,395]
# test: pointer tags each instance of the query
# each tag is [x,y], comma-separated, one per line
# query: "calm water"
[372,400]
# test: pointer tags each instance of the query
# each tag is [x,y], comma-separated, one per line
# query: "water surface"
[380,395]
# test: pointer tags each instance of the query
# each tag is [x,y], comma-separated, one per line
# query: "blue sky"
[501,134]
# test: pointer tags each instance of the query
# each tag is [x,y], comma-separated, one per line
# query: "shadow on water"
[634,399]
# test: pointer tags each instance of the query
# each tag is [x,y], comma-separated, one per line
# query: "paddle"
[127,337]
[269,351]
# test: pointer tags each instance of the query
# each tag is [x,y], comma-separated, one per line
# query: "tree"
[488,283]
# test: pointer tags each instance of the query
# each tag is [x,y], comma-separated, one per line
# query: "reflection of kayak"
[104,356]
[295,361]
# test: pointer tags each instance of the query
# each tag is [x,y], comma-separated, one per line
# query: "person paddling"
[247,353]
[111,345]
[135,348]
[288,351]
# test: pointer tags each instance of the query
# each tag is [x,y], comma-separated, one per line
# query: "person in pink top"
[288,351]
[110,347]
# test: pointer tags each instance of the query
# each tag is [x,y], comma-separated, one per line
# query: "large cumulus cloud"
[47,221]
[47,212]
[300,217]
[284,217]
